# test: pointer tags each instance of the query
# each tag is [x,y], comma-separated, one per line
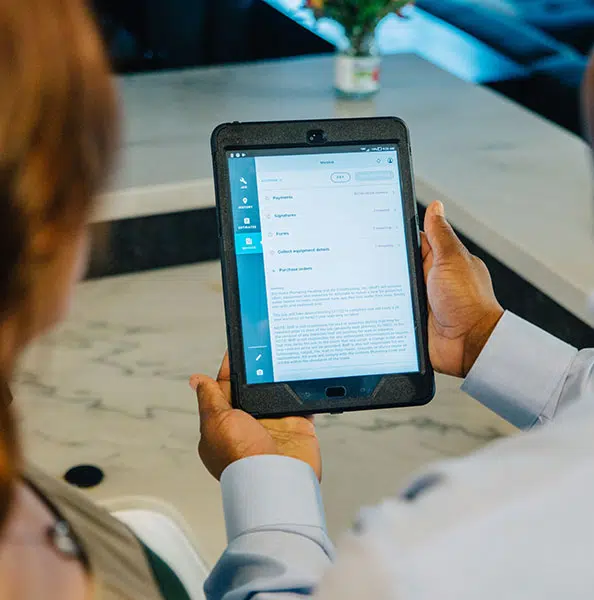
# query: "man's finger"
[224,377]
[427,254]
[440,235]
[225,370]
[425,246]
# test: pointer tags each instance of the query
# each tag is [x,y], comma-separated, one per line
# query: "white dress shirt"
[512,521]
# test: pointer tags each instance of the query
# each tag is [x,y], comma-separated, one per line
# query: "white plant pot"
[357,76]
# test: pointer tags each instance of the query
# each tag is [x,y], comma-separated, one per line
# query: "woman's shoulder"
[121,565]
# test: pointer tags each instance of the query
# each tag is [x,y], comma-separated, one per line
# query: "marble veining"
[110,388]
[421,424]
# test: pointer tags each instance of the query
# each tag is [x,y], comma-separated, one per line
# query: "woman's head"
[58,121]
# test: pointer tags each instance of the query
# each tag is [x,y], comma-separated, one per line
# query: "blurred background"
[532,51]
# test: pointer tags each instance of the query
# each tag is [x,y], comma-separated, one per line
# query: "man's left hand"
[229,434]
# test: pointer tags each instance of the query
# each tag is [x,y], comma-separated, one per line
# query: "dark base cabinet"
[145,35]
[161,241]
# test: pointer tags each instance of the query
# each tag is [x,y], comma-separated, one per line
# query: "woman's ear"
[588,100]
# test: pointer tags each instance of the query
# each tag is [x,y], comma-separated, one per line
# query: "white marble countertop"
[110,388]
[517,185]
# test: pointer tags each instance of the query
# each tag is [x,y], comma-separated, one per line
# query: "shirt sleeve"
[276,530]
[522,372]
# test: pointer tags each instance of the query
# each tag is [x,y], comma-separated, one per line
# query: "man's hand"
[463,310]
[228,435]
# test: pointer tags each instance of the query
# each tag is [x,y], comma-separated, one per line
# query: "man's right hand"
[463,310]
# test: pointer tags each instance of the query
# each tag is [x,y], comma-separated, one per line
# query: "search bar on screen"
[374,175]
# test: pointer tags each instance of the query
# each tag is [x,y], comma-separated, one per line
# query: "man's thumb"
[210,396]
[440,235]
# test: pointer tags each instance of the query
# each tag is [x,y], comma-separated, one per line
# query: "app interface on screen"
[322,262]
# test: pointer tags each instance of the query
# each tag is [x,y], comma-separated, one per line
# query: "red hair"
[58,132]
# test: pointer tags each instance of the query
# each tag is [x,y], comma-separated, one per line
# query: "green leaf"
[359,16]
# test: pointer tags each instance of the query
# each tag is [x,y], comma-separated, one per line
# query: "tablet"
[324,292]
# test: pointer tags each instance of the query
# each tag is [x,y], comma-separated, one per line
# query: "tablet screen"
[322,263]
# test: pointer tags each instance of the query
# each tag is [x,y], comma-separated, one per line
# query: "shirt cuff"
[520,371]
[270,492]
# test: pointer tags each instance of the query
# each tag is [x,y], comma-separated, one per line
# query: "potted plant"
[357,64]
